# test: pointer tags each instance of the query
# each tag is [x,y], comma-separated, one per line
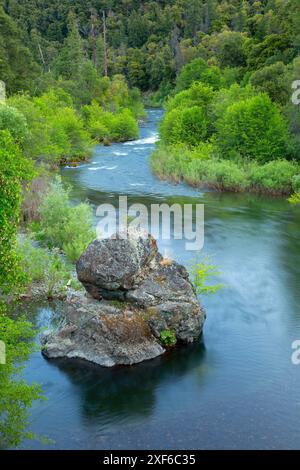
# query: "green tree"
[17,66]
[197,95]
[69,62]
[13,120]
[253,128]
[184,126]
[65,226]
[199,71]
[271,79]
[275,48]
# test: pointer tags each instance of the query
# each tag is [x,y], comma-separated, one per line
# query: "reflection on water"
[237,387]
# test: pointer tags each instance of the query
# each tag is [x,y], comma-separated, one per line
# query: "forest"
[82,73]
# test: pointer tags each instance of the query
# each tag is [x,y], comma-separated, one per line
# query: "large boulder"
[101,333]
[133,296]
[112,265]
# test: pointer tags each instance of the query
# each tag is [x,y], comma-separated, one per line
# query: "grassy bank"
[198,167]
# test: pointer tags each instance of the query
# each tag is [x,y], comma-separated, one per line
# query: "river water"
[236,388]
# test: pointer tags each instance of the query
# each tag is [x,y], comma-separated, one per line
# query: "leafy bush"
[13,120]
[116,96]
[34,260]
[228,96]
[66,227]
[296,183]
[271,80]
[123,126]
[199,71]
[68,133]
[16,396]
[197,95]
[46,267]
[185,126]
[56,131]
[168,338]
[103,125]
[200,272]
[14,168]
[253,128]
[295,198]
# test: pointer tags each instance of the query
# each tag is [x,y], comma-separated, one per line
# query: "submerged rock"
[133,295]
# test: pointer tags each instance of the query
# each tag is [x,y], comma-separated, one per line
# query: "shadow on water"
[130,391]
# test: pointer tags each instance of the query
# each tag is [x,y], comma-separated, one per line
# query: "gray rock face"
[133,295]
[112,265]
[101,333]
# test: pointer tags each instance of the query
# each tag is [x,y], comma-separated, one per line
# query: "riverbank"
[54,129]
[200,170]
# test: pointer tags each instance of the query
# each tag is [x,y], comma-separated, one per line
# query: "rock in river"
[132,296]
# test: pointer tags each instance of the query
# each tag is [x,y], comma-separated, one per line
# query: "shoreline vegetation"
[52,131]
[230,137]
[177,165]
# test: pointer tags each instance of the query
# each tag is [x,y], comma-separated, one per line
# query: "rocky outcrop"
[133,295]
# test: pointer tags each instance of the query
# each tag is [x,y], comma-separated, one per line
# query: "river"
[235,389]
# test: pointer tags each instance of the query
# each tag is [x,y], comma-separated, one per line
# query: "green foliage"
[157,99]
[197,95]
[296,183]
[202,167]
[168,338]
[16,396]
[229,48]
[199,71]
[45,267]
[14,168]
[272,80]
[12,120]
[71,58]
[295,198]
[228,96]
[18,69]
[253,128]
[274,48]
[291,111]
[218,174]
[115,95]
[107,125]
[148,43]
[63,226]
[186,126]
[56,131]
[274,175]
[200,272]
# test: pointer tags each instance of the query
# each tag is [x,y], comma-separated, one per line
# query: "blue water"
[236,388]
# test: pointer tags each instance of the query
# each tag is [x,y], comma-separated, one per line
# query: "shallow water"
[237,388]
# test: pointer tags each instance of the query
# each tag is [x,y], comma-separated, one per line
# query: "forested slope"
[149,41]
